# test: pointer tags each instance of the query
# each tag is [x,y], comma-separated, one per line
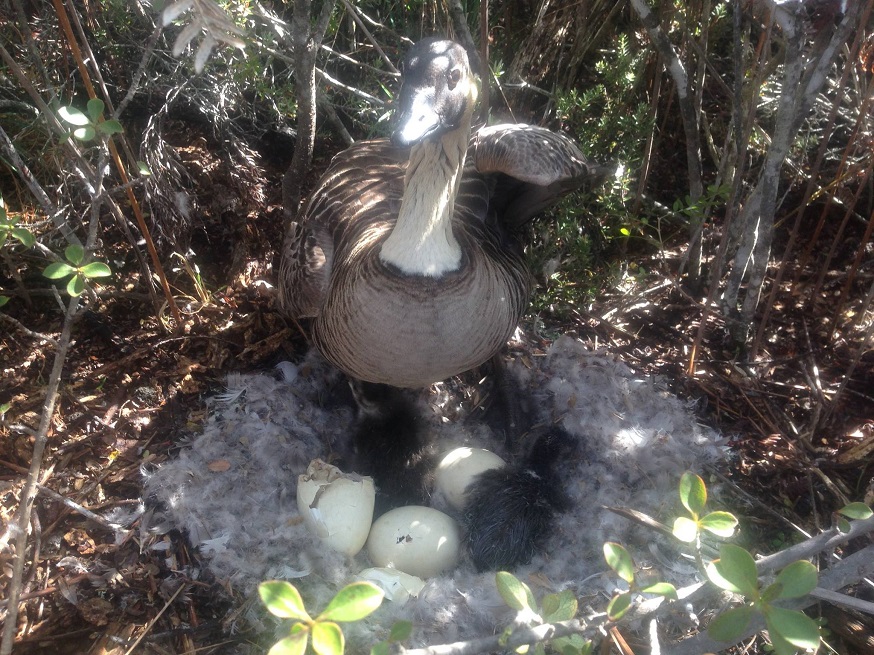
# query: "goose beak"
[417,119]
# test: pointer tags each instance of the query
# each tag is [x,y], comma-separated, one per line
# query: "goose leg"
[508,397]
[391,446]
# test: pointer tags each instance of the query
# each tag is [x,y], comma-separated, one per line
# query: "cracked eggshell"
[397,585]
[336,506]
[417,540]
[458,468]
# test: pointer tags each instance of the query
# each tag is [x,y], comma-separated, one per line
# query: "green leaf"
[294,644]
[844,525]
[283,600]
[771,593]
[619,560]
[24,236]
[76,285]
[571,645]
[327,638]
[731,624]
[618,606]
[74,253]
[665,589]
[400,630]
[795,627]
[4,408]
[72,116]
[797,580]
[515,593]
[58,270]
[780,646]
[95,269]
[693,493]
[685,529]
[735,570]
[110,127]
[624,231]
[3,300]
[856,511]
[722,524]
[143,168]
[559,607]
[84,133]
[352,603]
[95,108]
[382,648]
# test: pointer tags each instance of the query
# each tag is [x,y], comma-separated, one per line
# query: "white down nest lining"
[635,440]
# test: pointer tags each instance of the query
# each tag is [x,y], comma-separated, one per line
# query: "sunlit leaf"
[74,253]
[57,270]
[559,607]
[73,116]
[735,570]
[797,580]
[858,511]
[731,624]
[143,168]
[795,627]
[76,285]
[685,529]
[618,606]
[619,560]
[96,269]
[84,133]
[665,589]
[327,638]
[515,593]
[722,524]
[693,493]
[353,602]
[24,236]
[294,644]
[283,600]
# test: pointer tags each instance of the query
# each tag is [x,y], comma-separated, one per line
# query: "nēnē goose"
[405,255]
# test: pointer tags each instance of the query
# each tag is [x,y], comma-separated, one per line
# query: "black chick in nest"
[390,446]
[509,511]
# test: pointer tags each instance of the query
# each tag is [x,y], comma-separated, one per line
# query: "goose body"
[405,255]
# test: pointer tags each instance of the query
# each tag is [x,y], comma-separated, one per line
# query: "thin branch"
[35,335]
[22,516]
[354,13]
[79,509]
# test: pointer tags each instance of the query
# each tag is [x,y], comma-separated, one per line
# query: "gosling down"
[407,256]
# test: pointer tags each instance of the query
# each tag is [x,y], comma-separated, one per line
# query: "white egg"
[417,540]
[338,507]
[458,468]
[397,585]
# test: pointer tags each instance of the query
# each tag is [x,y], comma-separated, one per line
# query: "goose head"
[438,93]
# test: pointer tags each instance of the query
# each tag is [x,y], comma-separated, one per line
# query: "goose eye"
[454,77]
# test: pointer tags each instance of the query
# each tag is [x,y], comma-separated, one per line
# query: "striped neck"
[422,242]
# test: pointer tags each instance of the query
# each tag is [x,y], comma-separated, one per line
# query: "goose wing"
[354,204]
[531,167]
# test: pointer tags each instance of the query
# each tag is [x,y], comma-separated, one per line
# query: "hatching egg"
[336,506]
[458,468]
[417,540]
